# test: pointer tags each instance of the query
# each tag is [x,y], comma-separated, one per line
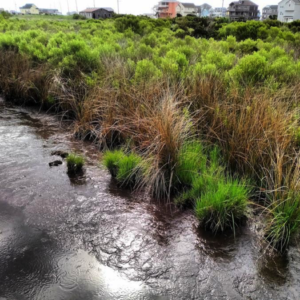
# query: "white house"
[186,9]
[29,9]
[289,10]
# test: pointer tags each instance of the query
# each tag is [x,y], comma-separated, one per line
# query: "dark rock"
[55,163]
[62,154]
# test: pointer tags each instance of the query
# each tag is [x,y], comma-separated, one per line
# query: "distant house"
[289,10]
[204,10]
[243,10]
[29,9]
[49,11]
[269,11]
[188,9]
[218,12]
[97,13]
[173,9]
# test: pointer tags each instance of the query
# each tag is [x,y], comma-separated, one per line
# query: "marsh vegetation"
[202,113]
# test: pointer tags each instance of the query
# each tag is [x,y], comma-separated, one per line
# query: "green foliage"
[250,70]
[294,26]
[78,17]
[154,49]
[197,27]
[146,71]
[206,171]
[5,14]
[75,163]
[242,30]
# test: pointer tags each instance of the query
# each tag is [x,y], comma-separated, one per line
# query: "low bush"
[78,17]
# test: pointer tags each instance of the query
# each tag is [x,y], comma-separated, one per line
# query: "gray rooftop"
[27,6]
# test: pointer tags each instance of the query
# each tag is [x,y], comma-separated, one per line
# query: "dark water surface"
[67,238]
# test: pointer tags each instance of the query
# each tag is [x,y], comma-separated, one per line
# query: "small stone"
[55,163]
[62,154]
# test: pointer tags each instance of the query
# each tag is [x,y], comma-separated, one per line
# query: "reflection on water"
[274,269]
[33,267]
[65,237]
[78,178]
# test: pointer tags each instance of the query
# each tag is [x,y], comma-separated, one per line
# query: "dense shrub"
[78,17]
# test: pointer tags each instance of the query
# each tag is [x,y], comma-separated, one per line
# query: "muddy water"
[83,238]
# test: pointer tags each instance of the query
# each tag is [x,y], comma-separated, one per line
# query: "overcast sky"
[126,6]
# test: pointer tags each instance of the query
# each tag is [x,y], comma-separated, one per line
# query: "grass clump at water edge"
[221,207]
[111,161]
[126,168]
[75,163]
[284,222]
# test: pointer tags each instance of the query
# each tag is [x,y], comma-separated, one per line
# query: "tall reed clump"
[249,126]
[158,130]
[283,211]
[22,81]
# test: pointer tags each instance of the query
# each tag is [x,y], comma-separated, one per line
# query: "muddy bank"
[84,238]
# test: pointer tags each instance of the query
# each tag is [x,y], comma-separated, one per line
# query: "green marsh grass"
[111,160]
[191,161]
[284,222]
[126,168]
[129,170]
[222,206]
[283,211]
